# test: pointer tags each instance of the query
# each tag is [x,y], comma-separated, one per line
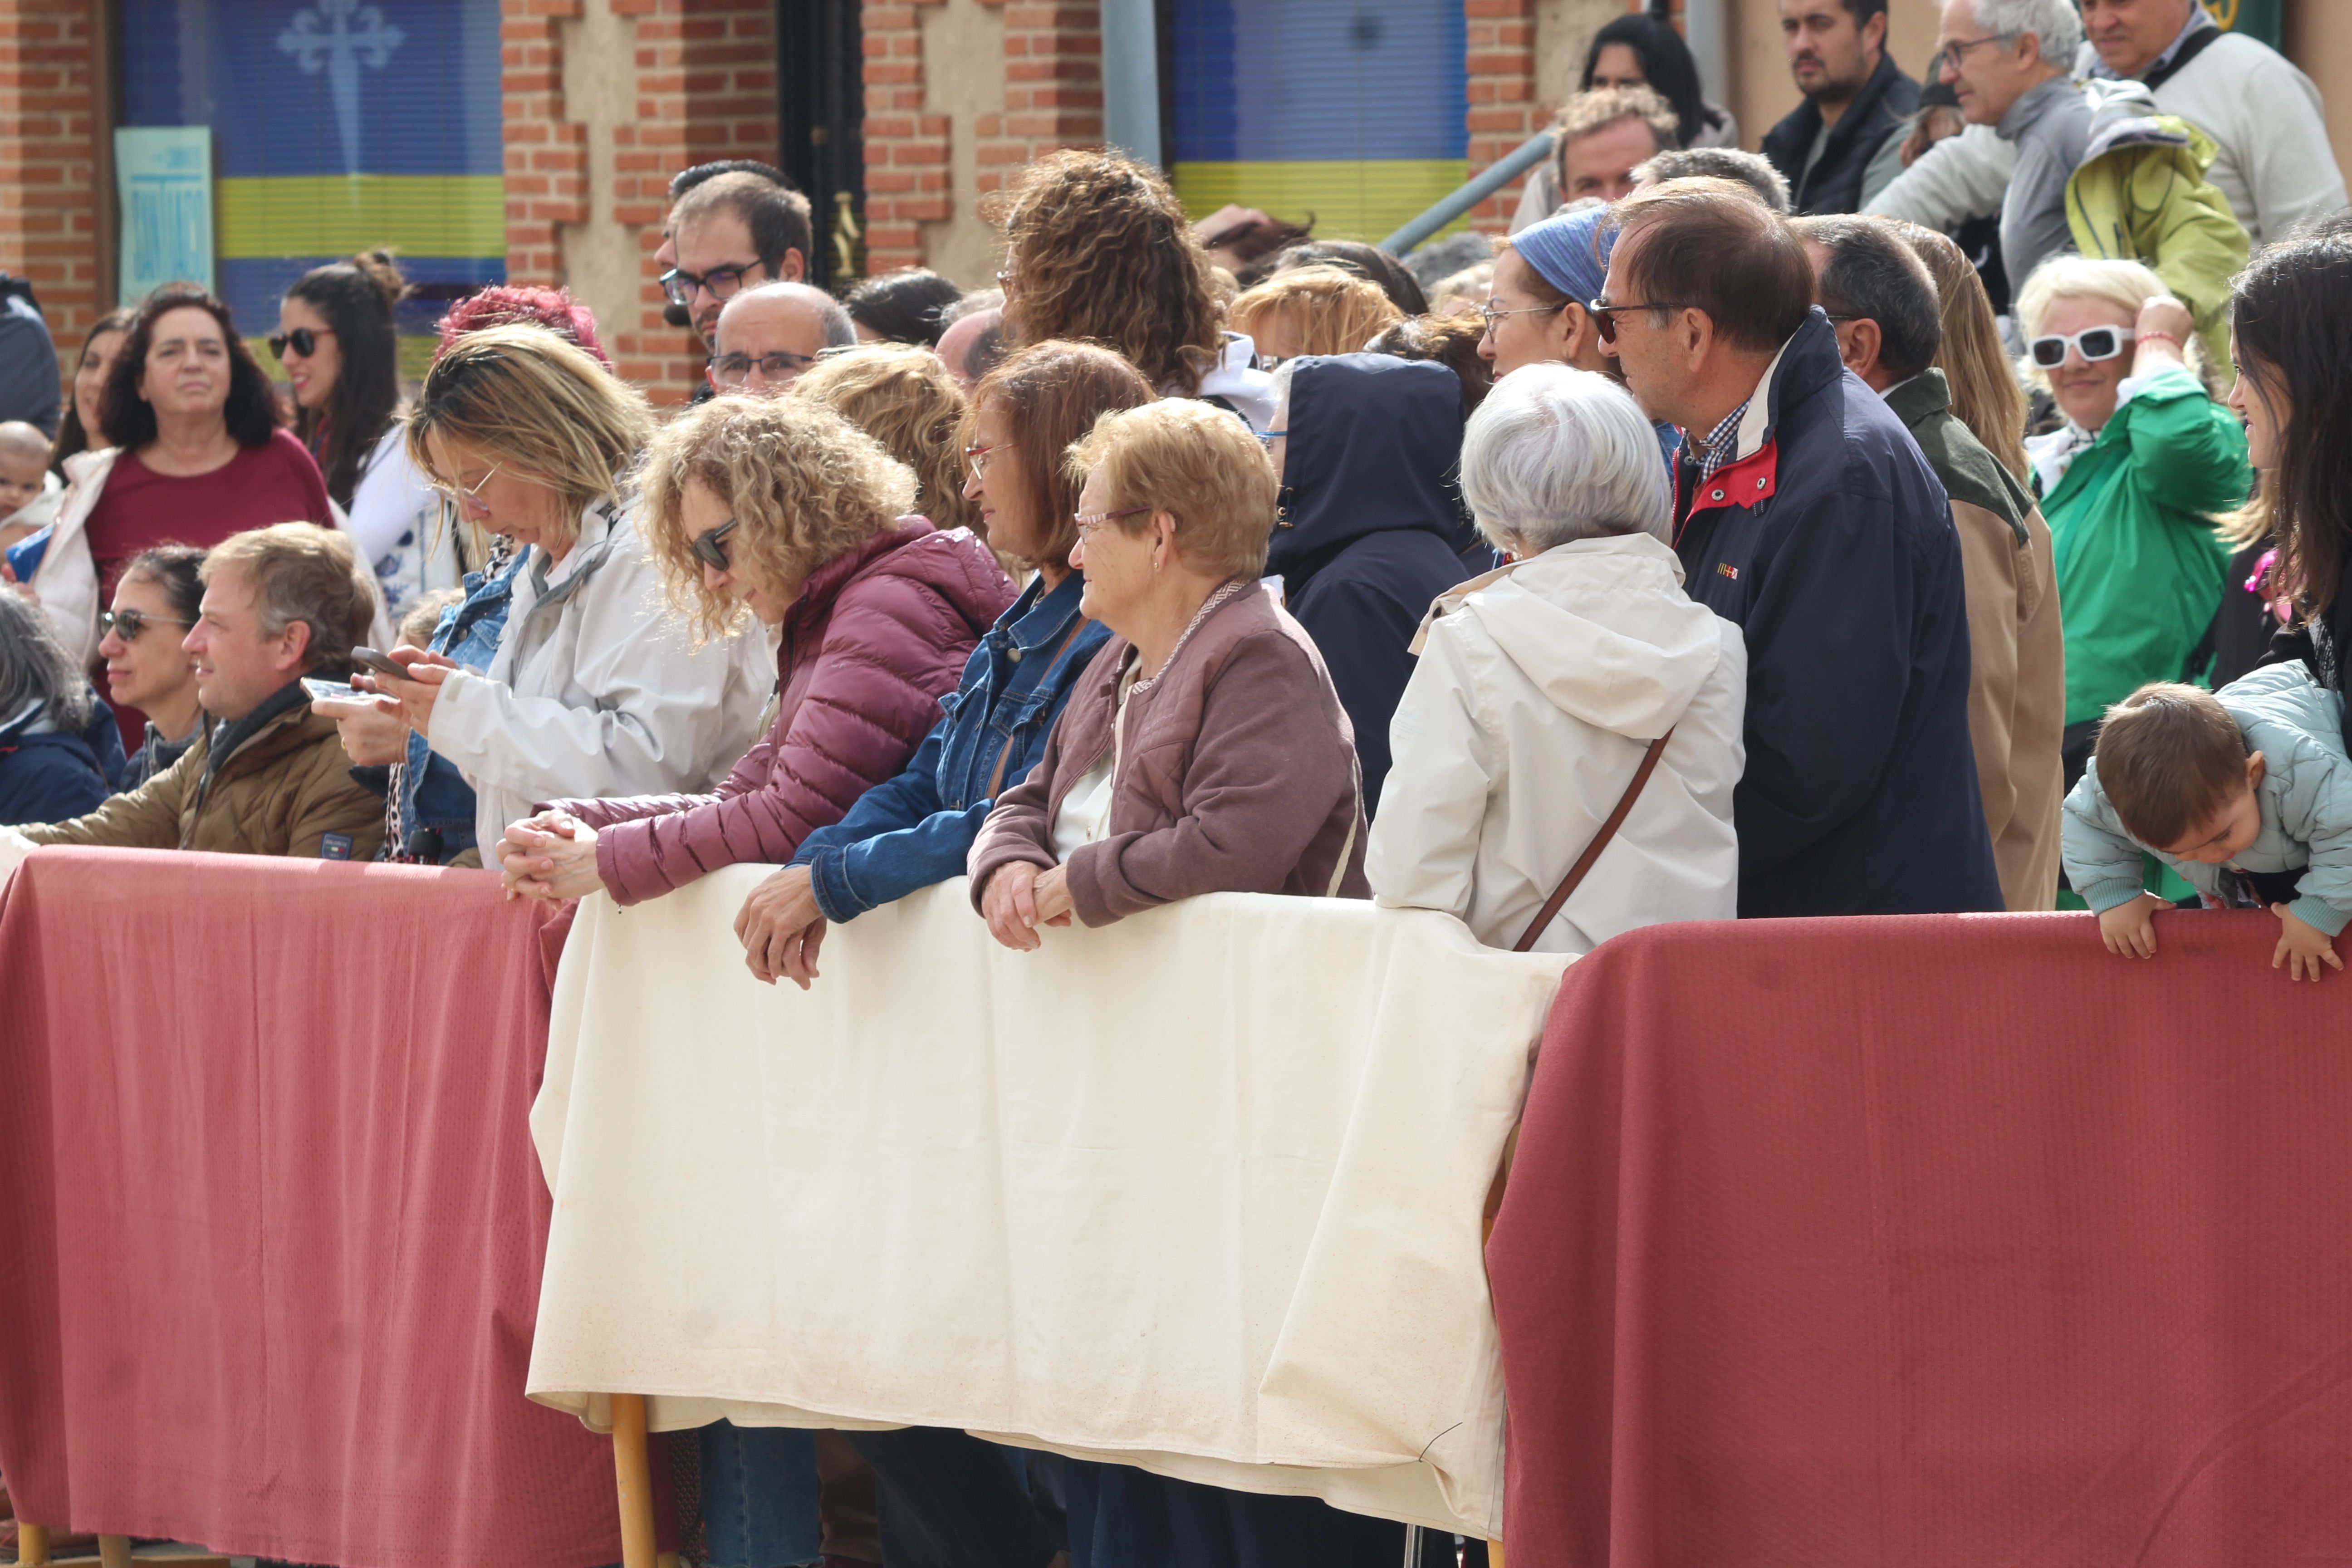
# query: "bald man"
[766,337]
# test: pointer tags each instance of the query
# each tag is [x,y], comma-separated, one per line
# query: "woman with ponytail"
[336,338]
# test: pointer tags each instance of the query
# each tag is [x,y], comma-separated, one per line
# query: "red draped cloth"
[1944,1240]
[271,1221]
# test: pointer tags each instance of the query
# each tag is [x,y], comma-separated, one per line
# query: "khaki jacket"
[287,789]
[2017,650]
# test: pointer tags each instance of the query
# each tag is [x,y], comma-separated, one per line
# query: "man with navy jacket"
[1806,514]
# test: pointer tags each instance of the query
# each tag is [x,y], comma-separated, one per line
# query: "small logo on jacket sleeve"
[334,846]
[1726,569]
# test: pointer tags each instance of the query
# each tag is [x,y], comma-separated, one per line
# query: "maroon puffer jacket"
[874,641]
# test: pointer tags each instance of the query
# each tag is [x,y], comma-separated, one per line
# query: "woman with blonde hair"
[1313,310]
[903,397]
[2130,484]
[780,511]
[1986,396]
[530,437]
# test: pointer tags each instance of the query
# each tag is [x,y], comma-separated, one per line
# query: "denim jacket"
[434,795]
[911,831]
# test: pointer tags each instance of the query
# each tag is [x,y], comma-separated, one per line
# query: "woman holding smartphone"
[586,693]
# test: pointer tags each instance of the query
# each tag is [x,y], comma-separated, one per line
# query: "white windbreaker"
[1539,688]
[597,690]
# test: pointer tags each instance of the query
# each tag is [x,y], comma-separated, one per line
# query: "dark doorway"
[820,111]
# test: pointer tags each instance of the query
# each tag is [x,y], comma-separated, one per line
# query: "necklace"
[1224,591]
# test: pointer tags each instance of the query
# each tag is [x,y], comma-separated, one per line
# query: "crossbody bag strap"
[1576,873]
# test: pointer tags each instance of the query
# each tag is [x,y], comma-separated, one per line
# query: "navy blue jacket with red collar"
[1829,539]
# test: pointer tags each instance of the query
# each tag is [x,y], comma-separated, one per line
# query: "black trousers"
[950,1501]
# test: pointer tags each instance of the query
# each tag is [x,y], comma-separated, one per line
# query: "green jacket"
[2139,566]
[2140,194]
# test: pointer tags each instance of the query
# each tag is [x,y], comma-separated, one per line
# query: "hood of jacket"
[2125,114]
[1603,627]
[952,563]
[1373,446]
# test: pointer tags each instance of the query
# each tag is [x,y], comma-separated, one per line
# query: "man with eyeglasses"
[734,232]
[2008,63]
[766,337]
[1805,513]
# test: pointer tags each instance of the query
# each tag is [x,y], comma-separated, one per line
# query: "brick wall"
[905,148]
[1053,98]
[1053,85]
[49,159]
[1504,110]
[704,79]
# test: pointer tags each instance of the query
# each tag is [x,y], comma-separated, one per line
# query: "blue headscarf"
[1569,250]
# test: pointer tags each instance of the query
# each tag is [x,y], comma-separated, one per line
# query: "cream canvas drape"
[1199,1191]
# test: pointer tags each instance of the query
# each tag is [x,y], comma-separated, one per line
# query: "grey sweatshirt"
[2051,126]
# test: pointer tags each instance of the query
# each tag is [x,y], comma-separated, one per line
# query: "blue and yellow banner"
[1355,110]
[337,126]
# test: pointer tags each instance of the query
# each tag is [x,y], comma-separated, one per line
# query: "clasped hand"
[551,856]
[1020,898]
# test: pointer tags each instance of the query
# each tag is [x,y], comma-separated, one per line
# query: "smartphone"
[367,658]
[334,691]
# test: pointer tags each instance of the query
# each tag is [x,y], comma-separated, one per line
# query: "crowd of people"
[1869,526]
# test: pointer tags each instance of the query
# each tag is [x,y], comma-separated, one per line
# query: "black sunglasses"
[1604,314]
[129,624]
[711,548]
[303,340]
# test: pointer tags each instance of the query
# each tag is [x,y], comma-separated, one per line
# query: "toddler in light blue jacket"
[2246,792]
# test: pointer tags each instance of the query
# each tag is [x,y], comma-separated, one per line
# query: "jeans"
[759,1496]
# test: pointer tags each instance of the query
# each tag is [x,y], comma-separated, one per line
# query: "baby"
[2246,792]
[25,478]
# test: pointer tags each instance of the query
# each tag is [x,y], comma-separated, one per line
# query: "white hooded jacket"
[596,687]
[1539,688]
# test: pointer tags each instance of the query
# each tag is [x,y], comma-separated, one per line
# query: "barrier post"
[114,1552]
[632,1474]
[32,1542]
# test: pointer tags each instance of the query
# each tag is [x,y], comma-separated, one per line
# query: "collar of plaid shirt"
[1717,447]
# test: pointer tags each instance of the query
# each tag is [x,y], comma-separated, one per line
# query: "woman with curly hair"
[1098,250]
[904,397]
[781,510]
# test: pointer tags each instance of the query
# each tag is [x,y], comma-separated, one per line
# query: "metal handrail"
[1525,157]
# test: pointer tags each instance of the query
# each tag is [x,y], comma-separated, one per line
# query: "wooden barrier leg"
[634,1473]
[114,1552]
[32,1542]
[1494,1554]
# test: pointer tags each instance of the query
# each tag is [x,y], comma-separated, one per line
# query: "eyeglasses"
[2093,344]
[1268,437]
[1955,48]
[1605,314]
[976,456]
[1089,523]
[303,340]
[458,495]
[128,624]
[710,547]
[735,369]
[719,282]
[1491,315]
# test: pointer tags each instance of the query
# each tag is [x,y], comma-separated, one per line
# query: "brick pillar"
[48,159]
[546,153]
[700,85]
[905,148]
[1503,107]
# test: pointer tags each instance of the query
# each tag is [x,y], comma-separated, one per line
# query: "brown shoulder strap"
[1599,842]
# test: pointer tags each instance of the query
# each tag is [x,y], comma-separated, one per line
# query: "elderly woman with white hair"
[1568,747]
